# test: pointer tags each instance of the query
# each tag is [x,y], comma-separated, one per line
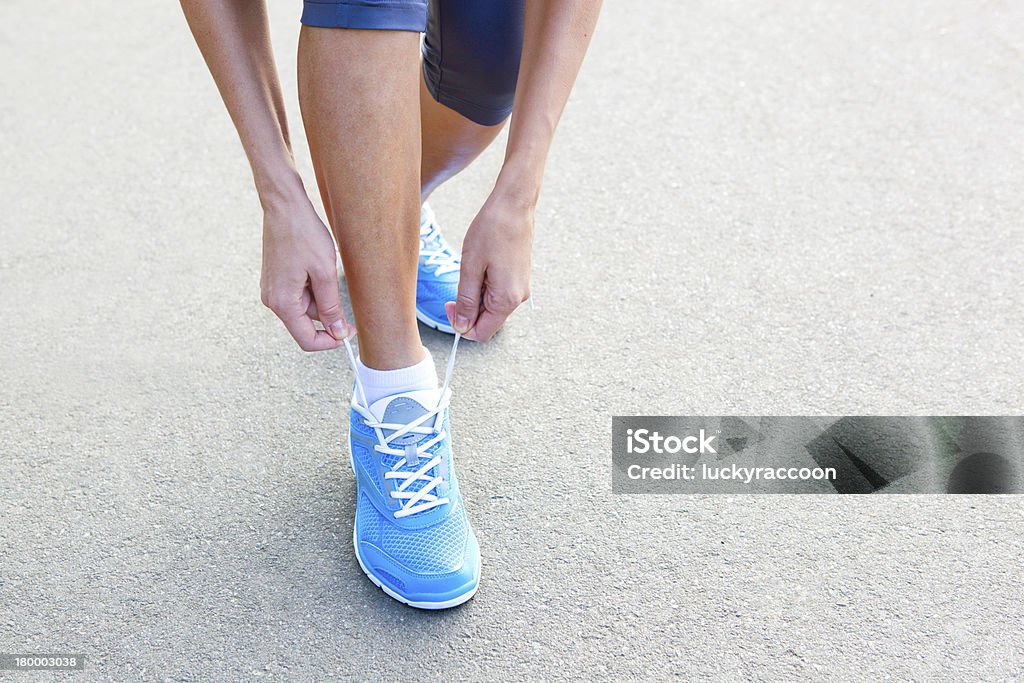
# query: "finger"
[449,310]
[324,285]
[300,326]
[487,324]
[473,333]
[311,311]
[498,306]
[468,301]
[310,304]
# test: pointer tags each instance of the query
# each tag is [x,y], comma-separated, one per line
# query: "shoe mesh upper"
[364,457]
[437,549]
[438,288]
[434,550]
[394,581]
[369,520]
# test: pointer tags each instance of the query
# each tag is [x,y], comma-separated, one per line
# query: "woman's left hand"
[495,273]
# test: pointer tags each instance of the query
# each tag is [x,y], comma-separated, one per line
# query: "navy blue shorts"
[471,49]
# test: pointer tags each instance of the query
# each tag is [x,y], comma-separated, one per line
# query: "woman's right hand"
[299,280]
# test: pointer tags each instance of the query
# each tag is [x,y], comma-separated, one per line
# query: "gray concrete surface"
[752,208]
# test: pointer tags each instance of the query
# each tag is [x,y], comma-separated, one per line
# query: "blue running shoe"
[411,535]
[437,281]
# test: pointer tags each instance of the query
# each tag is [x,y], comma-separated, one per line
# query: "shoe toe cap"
[424,588]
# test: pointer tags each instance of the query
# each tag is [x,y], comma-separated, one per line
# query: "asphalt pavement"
[752,208]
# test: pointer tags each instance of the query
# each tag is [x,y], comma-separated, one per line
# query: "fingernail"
[338,330]
[462,324]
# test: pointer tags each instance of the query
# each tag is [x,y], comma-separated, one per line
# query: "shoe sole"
[433,324]
[444,604]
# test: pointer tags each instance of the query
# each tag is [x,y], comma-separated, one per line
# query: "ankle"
[392,361]
[391,352]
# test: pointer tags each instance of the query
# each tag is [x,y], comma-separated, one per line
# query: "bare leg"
[450,141]
[358,93]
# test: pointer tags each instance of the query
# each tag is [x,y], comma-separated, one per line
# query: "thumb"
[328,304]
[464,313]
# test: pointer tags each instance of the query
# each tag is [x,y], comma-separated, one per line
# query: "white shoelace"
[442,259]
[412,454]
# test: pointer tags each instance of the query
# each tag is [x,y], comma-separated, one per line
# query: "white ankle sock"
[380,383]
